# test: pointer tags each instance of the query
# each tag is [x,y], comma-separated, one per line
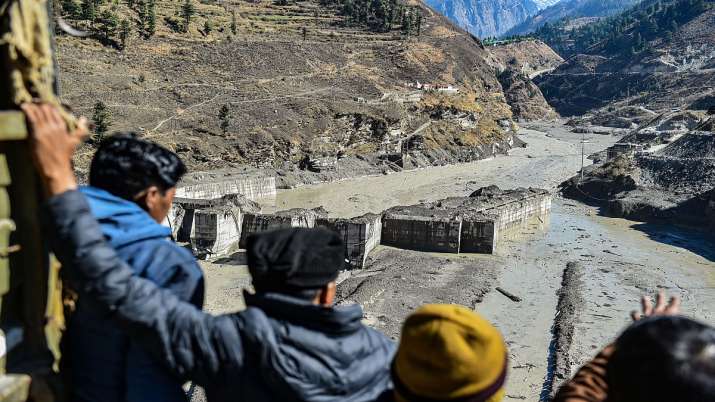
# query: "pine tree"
[124,31]
[71,8]
[89,11]
[151,19]
[224,118]
[234,28]
[187,11]
[102,120]
[107,26]
[419,23]
[143,12]
[407,23]
[207,27]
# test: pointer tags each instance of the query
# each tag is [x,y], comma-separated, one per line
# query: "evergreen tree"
[102,120]
[419,23]
[224,118]
[207,26]
[89,11]
[71,9]
[124,31]
[143,13]
[187,11]
[107,27]
[151,19]
[234,28]
[406,23]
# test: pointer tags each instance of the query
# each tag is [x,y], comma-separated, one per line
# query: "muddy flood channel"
[560,319]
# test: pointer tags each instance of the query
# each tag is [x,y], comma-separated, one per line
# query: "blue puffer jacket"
[279,349]
[106,365]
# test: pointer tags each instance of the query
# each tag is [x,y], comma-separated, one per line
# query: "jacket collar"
[123,222]
[340,320]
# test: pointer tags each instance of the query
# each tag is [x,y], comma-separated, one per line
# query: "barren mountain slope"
[298,81]
[519,62]
[531,57]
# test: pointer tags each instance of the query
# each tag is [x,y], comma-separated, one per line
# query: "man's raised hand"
[53,146]
[660,308]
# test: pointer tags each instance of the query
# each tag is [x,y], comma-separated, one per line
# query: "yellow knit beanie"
[448,352]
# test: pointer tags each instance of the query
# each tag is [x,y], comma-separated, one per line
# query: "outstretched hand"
[660,308]
[53,146]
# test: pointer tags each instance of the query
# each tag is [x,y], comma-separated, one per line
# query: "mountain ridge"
[486,18]
[571,9]
[656,56]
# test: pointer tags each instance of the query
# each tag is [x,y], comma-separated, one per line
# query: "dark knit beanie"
[294,259]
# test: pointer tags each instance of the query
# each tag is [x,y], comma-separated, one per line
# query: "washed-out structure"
[470,224]
[463,224]
[209,209]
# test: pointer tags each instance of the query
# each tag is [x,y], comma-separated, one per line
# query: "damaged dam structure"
[463,224]
[472,224]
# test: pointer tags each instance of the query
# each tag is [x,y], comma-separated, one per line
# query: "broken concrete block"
[217,231]
[463,224]
[424,233]
[360,236]
[297,217]
[181,215]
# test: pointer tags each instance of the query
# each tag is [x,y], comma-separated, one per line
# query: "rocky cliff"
[519,62]
[486,18]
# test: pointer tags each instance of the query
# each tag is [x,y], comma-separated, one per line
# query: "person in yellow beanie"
[449,353]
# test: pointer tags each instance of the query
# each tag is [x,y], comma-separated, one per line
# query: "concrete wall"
[360,235]
[181,214]
[479,236]
[421,233]
[217,231]
[251,187]
[254,223]
[518,213]
[467,225]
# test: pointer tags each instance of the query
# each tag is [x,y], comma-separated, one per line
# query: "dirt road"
[619,260]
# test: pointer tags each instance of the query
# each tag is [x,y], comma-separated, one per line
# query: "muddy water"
[620,262]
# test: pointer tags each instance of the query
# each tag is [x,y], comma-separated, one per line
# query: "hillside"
[298,80]
[519,62]
[565,11]
[658,56]
[486,18]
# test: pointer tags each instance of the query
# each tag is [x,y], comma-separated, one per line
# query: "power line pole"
[583,146]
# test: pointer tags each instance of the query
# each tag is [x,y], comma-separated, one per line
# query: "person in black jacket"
[284,347]
[132,184]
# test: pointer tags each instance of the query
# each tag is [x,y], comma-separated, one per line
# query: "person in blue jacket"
[132,184]
[291,343]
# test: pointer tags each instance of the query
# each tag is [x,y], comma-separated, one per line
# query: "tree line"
[380,15]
